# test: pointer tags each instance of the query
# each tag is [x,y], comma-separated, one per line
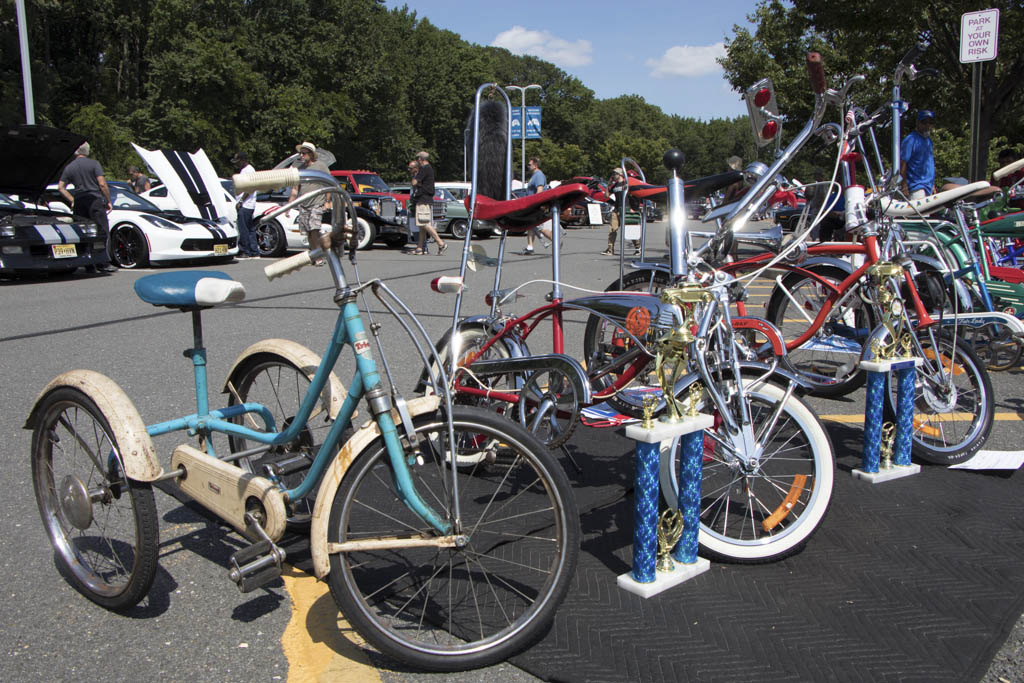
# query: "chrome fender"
[129,431]
[567,365]
[362,437]
[334,391]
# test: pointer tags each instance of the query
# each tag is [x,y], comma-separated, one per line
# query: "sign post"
[979,42]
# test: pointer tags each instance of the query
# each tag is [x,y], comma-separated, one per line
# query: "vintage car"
[33,238]
[451,214]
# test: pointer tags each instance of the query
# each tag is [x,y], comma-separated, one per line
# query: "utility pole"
[522,122]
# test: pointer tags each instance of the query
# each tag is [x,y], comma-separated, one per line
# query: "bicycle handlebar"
[265,180]
[913,54]
[292,263]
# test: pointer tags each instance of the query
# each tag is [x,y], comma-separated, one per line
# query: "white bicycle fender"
[304,359]
[336,472]
[128,429]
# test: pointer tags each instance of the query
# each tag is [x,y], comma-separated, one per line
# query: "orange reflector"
[926,429]
[946,362]
[786,506]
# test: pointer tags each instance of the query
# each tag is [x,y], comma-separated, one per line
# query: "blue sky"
[662,51]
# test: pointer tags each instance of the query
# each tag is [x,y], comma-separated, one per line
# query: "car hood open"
[191,182]
[31,157]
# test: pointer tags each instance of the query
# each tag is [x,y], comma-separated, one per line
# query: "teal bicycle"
[447,534]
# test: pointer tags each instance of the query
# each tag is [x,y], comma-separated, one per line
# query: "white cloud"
[683,61]
[522,41]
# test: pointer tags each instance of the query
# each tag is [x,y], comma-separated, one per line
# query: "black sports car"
[34,239]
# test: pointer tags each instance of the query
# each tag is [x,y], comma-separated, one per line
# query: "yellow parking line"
[318,642]
[952,417]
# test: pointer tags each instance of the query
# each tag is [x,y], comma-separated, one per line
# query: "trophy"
[888,439]
[670,528]
[650,403]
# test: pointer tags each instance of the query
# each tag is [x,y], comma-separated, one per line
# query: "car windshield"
[371,182]
[123,199]
[443,193]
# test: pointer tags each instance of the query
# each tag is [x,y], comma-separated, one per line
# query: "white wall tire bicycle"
[730,530]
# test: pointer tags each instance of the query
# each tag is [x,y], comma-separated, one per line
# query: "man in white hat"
[311,212]
[616,188]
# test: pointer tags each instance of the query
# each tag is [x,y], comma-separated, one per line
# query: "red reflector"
[488,299]
[769,130]
[763,97]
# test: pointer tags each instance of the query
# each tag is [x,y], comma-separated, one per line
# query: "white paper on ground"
[992,460]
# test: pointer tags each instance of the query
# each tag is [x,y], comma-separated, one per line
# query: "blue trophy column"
[691,454]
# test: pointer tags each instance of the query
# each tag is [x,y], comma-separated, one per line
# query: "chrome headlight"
[7,231]
[159,222]
[90,230]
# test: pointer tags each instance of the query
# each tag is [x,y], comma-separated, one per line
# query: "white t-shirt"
[250,201]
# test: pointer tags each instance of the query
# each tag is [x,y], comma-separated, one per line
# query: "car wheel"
[270,239]
[458,228]
[367,233]
[129,246]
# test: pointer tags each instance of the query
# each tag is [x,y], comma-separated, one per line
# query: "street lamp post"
[522,122]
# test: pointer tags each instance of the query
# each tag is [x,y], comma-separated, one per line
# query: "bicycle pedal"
[256,565]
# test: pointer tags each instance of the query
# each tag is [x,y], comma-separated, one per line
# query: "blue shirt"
[537,182]
[916,151]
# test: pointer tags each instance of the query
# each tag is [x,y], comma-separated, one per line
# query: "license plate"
[220,249]
[63,250]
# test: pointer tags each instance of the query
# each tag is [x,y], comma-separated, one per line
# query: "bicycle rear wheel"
[450,609]
[103,525]
[766,511]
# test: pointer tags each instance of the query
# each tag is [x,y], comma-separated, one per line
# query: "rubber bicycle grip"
[913,54]
[816,72]
[1008,169]
[285,266]
[265,180]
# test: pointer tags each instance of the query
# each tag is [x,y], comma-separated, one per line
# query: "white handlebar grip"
[265,180]
[285,266]
[1008,169]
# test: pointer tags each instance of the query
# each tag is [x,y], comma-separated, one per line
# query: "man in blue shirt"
[917,159]
[538,183]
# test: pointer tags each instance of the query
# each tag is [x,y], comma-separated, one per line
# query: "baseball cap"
[925,114]
[308,146]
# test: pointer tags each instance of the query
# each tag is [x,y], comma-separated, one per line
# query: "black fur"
[493,149]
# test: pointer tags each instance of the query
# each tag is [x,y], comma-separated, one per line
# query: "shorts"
[424,214]
[310,219]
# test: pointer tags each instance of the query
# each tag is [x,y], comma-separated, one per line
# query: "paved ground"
[195,625]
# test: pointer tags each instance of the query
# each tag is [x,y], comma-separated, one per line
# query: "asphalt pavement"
[195,625]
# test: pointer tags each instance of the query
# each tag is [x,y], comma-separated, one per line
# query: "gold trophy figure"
[886,447]
[670,529]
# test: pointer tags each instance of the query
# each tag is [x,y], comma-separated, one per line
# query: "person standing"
[414,230]
[90,197]
[311,212]
[616,188]
[538,183]
[139,182]
[422,198]
[917,158]
[245,205]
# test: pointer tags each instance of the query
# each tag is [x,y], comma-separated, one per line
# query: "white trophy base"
[894,472]
[662,431]
[663,580]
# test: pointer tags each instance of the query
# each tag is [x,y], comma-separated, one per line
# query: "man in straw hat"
[311,212]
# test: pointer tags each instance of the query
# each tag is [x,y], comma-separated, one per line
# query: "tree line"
[375,85]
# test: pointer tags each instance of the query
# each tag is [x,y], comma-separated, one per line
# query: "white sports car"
[142,234]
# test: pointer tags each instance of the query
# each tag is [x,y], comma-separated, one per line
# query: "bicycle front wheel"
[102,524]
[753,512]
[449,609]
[953,401]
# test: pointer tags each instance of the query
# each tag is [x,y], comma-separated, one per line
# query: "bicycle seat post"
[198,356]
[673,161]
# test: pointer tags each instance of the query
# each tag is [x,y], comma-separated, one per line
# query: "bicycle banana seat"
[696,187]
[521,214]
[932,203]
[189,290]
